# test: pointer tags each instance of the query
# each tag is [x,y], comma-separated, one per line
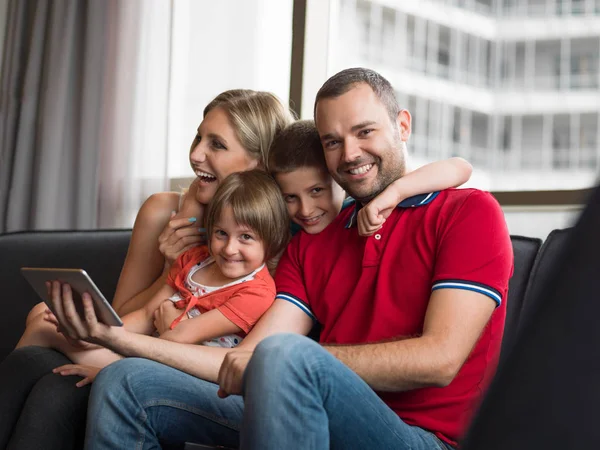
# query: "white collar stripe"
[298,303]
[472,287]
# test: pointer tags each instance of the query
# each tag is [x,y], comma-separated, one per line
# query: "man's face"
[364,148]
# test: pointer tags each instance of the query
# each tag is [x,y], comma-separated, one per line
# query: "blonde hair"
[256,202]
[256,117]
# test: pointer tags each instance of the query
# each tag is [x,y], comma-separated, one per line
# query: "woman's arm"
[208,325]
[141,276]
[147,262]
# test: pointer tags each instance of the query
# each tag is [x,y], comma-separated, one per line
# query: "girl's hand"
[164,316]
[87,372]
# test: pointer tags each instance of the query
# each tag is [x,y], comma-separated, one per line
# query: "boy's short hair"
[298,145]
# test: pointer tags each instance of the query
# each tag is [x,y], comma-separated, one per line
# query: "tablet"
[80,282]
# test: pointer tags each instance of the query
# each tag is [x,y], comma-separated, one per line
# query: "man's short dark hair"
[297,146]
[343,81]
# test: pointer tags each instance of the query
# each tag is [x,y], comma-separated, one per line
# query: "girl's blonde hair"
[256,117]
[256,202]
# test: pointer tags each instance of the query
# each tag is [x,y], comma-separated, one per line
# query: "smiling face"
[312,198]
[215,153]
[236,248]
[364,148]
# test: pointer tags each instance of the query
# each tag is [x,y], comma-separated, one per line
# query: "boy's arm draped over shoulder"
[472,268]
[435,176]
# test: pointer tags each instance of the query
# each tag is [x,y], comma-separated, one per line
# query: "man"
[412,318]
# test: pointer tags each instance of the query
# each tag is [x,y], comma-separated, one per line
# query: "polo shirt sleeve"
[289,278]
[474,249]
[248,304]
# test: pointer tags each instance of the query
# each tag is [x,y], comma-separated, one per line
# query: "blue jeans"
[296,396]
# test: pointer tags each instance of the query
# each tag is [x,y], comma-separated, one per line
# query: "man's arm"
[282,317]
[454,321]
[197,360]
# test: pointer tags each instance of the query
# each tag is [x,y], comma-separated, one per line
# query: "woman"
[45,409]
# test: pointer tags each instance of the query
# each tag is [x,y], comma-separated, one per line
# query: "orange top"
[243,303]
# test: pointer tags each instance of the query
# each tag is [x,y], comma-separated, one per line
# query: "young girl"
[217,293]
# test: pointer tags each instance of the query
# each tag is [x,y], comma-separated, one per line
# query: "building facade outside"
[513,86]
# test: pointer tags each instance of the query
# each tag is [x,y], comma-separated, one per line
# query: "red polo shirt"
[369,289]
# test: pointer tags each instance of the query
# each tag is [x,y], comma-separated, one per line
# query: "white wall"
[538,222]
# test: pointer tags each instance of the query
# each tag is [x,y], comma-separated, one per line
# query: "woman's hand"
[179,236]
[87,372]
[164,316]
[184,229]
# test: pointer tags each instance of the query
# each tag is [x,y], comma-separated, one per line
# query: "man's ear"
[404,121]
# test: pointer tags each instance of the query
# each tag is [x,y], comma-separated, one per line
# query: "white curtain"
[133,157]
[83,111]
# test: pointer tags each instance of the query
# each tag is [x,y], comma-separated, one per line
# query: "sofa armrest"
[100,252]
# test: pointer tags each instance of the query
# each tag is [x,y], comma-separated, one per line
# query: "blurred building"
[511,85]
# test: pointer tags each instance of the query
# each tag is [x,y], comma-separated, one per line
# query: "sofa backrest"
[525,250]
[100,252]
[551,250]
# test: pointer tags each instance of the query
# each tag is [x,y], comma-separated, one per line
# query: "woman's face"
[216,153]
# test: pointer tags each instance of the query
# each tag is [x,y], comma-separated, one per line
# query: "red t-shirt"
[369,289]
[242,303]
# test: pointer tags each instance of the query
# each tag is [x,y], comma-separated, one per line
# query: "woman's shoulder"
[159,206]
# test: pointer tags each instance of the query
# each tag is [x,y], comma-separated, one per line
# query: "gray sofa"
[102,252]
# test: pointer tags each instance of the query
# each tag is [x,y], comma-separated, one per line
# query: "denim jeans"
[296,396]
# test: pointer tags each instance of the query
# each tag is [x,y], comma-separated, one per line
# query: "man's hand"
[232,372]
[88,329]
[164,316]
[51,318]
[87,372]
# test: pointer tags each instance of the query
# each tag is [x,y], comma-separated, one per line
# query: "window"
[520,106]
[218,46]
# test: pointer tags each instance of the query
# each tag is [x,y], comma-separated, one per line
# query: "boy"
[314,199]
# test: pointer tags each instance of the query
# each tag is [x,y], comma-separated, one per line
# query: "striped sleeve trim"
[469,286]
[296,301]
